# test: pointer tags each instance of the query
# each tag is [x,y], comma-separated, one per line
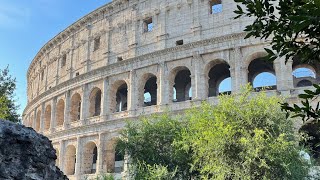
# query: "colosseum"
[137,57]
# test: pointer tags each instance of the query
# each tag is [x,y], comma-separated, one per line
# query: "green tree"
[293,26]
[150,146]
[8,107]
[245,136]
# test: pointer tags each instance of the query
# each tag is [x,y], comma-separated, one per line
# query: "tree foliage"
[245,136]
[153,154]
[294,29]
[292,25]
[8,107]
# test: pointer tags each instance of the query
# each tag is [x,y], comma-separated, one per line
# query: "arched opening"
[60,112]
[75,107]
[262,74]
[225,86]
[90,156]
[95,102]
[47,118]
[265,80]
[115,157]
[304,83]
[150,91]
[121,97]
[219,79]
[304,74]
[38,121]
[182,84]
[70,160]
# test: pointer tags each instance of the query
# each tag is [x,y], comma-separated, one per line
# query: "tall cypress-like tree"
[8,107]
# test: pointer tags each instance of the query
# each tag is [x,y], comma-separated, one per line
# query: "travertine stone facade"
[135,57]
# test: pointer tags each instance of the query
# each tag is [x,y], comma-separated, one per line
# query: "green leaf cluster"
[150,145]
[8,107]
[292,25]
[245,136]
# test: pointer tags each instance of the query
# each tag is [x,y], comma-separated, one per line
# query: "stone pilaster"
[198,78]
[87,61]
[67,109]
[61,155]
[163,85]
[132,34]
[107,39]
[78,157]
[132,93]
[196,27]
[239,71]
[84,103]
[53,114]
[100,155]
[283,74]
[42,117]
[34,120]
[105,98]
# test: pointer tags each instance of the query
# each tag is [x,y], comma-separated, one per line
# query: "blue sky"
[26,25]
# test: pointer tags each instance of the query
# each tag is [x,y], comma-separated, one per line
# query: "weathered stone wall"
[110,51]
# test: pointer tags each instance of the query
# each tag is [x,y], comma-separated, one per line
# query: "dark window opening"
[42,75]
[119,59]
[150,91]
[182,86]
[96,44]
[63,60]
[94,160]
[216,6]
[77,73]
[179,43]
[148,25]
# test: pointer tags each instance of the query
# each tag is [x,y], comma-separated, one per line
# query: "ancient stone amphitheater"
[138,57]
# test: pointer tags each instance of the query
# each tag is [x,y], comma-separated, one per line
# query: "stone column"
[53,114]
[42,117]
[84,103]
[132,93]
[198,78]
[163,84]
[67,110]
[78,157]
[61,156]
[105,106]
[100,155]
[283,74]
